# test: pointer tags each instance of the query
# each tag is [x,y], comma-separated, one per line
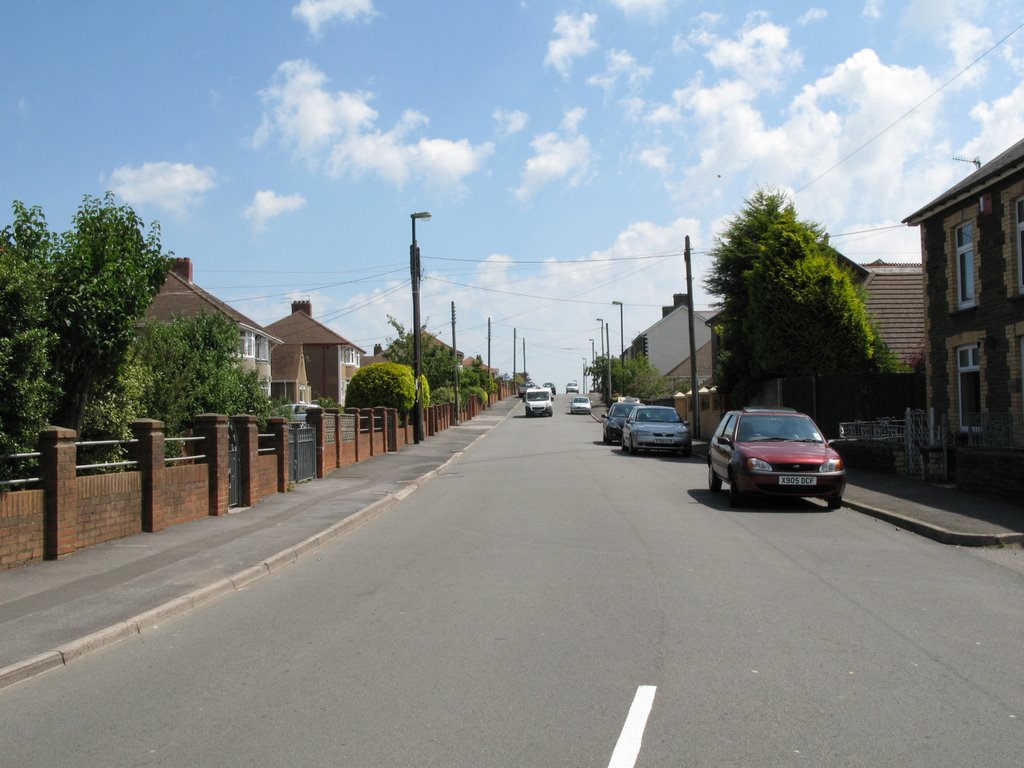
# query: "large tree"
[787,307]
[436,359]
[25,343]
[103,274]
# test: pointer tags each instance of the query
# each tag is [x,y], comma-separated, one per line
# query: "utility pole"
[514,345]
[607,338]
[693,352]
[455,359]
[526,375]
[490,371]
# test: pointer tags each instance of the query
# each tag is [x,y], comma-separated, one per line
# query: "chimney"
[303,306]
[182,267]
[678,300]
[378,350]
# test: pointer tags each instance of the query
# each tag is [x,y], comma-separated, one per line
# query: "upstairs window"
[248,344]
[262,349]
[965,265]
[1020,245]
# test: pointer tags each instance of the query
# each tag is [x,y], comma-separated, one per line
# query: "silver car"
[579,404]
[656,428]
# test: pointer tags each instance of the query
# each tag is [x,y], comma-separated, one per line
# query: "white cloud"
[316,13]
[170,186]
[656,158]
[621,66]
[509,121]
[814,14]
[573,41]
[759,56]
[337,133]
[652,9]
[872,9]
[1002,125]
[557,157]
[267,204]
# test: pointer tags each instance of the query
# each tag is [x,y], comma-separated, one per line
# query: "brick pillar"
[380,416]
[213,428]
[391,420]
[247,438]
[332,414]
[60,485]
[315,419]
[282,444]
[149,460]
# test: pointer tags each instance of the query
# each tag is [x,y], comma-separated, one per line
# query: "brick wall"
[1000,473]
[109,507]
[21,527]
[185,493]
[264,477]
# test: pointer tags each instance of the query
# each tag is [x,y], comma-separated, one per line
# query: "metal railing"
[994,430]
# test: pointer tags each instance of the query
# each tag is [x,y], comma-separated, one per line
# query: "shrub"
[388,385]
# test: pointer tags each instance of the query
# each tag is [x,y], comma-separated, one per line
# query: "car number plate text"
[797,480]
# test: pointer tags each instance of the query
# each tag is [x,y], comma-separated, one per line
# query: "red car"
[774,452]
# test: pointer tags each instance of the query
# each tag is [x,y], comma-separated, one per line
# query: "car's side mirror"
[604,415]
[725,440]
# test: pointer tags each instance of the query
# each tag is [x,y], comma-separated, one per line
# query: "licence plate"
[797,480]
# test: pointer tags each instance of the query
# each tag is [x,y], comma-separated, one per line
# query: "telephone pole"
[695,395]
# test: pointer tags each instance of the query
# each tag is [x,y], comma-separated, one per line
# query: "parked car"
[551,386]
[656,428]
[612,428]
[297,411]
[579,404]
[572,388]
[524,386]
[774,452]
[538,402]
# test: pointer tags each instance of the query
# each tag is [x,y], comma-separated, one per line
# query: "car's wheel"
[607,440]
[624,446]
[735,496]
[834,502]
[714,481]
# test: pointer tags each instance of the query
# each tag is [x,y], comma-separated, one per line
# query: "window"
[969,381]
[262,348]
[348,356]
[248,344]
[1020,245]
[965,265]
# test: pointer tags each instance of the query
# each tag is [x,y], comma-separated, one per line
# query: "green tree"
[388,385]
[26,375]
[787,307]
[436,360]
[193,368]
[103,274]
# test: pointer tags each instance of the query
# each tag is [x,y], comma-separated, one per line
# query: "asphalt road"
[549,601]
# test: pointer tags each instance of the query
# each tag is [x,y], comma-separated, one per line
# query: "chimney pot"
[303,306]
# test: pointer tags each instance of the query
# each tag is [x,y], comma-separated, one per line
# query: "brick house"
[180,297]
[972,246]
[289,382]
[330,360]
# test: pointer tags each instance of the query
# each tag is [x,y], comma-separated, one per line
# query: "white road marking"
[628,746]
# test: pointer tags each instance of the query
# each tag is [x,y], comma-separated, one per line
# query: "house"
[895,302]
[972,246]
[289,382]
[666,344]
[180,297]
[330,360]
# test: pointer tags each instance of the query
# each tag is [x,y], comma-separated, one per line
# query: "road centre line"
[628,747]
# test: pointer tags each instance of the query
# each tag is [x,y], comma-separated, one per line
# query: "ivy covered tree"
[787,306]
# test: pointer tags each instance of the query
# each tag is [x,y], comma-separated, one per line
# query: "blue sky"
[565,149]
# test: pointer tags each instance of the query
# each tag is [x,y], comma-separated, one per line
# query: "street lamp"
[603,353]
[584,389]
[622,336]
[417,352]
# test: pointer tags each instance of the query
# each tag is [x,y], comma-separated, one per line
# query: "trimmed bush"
[388,385]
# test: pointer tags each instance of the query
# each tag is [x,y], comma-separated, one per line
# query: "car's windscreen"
[660,416]
[536,395]
[775,427]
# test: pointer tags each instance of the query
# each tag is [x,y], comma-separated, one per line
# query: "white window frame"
[248,345]
[1020,244]
[968,362]
[349,356]
[262,349]
[965,288]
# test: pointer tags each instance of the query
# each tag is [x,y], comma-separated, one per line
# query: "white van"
[538,402]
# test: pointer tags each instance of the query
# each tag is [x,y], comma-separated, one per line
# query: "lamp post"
[417,352]
[622,335]
[601,336]
[584,375]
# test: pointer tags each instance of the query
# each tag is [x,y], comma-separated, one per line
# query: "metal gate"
[234,469]
[302,449]
[924,432]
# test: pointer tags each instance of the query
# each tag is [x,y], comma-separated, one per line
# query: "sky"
[565,150]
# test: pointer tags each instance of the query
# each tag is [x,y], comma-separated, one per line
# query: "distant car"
[611,430]
[572,388]
[656,428]
[538,402]
[774,452]
[551,386]
[526,385]
[297,411]
[579,404]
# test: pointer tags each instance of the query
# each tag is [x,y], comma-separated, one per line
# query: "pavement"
[54,612]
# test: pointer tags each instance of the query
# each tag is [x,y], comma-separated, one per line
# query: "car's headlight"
[758,465]
[832,465]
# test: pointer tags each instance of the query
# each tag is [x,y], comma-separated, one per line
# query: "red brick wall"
[264,477]
[348,453]
[21,527]
[185,494]
[109,507]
